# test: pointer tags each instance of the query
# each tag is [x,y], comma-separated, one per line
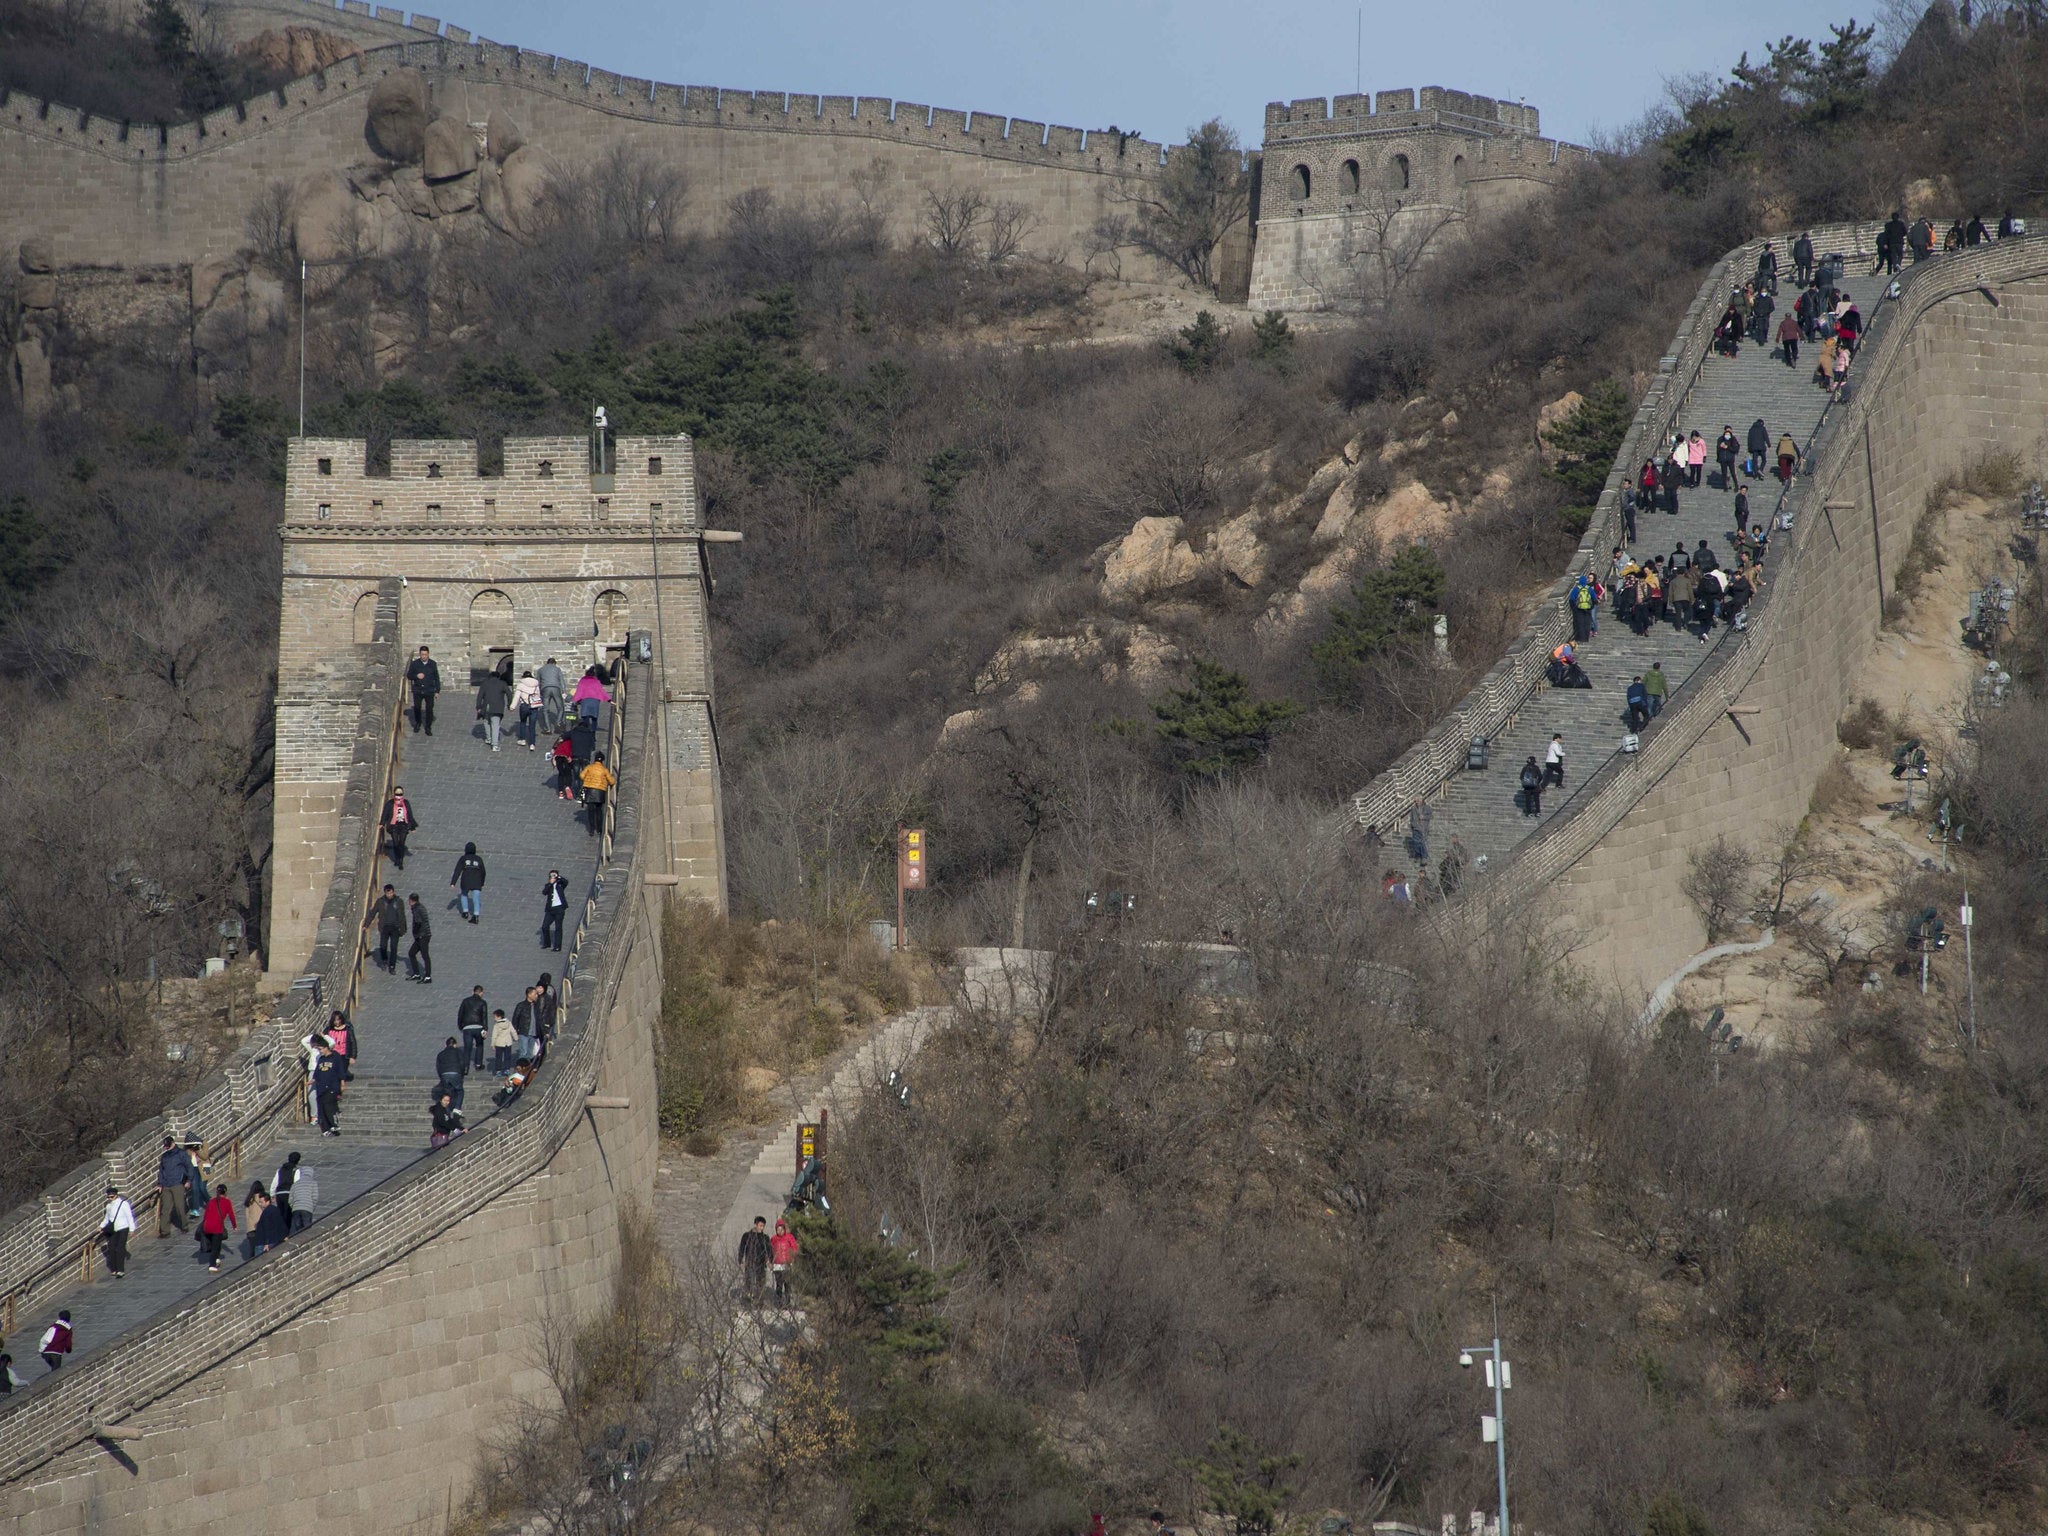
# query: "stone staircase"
[393,1110]
[1482,808]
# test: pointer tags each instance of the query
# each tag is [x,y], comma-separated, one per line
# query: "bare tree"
[1008,224]
[1183,214]
[1392,239]
[951,219]
[636,198]
[1109,237]
[268,225]
[1717,881]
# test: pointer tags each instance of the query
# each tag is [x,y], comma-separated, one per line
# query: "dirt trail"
[1920,671]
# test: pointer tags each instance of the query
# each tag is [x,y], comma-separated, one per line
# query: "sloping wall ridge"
[400,1215]
[1834,454]
[40,1242]
[1420,772]
[976,132]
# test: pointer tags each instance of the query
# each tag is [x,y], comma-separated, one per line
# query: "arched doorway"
[610,621]
[365,619]
[490,631]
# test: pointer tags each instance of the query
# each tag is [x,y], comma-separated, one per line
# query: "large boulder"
[524,178]
[37,290]
[1152,557]
[37,257]
[502,137]
[449,151]
[297,51]
[456,195]
[397,123]
[323,217]
[208,273]
[267,303]
[1238,550]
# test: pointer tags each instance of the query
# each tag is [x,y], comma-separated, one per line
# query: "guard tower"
[577,549]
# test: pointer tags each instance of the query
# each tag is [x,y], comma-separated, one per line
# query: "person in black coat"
[448,1067]
[387,915]
[554,908]
[1759,445]
[419,959]
[468,883]
[399,822]
[271,1229]
[327,1088]
[1802,258]
[423,676]
[473,1023]
[493,698]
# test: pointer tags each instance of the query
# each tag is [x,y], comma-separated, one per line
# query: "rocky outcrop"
[449,150]
[324,224]
[296,51]
[1152,557]
[1549,416]
[398,116]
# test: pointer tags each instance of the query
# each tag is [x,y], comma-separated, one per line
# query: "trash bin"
[1475,755]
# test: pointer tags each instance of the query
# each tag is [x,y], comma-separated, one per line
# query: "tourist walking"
[783,1248]
[387,914]
[305,1191]
[419,957]
[552,687]
[755,1252]
[281,1183]
[1788,457]
[554,909]
[270,1228]
[591,695]
[399,823]
[449,1066]
[57,1341]
[598,781]
[503,1039]
[1726,447]
[492,696]
[1759,446]
[423,676]
[215,1223]
[526,1022]
[173,1174]
[1788,340]
[1695,458]
[526,700]
[1553,762]
[1802,258]
[547,1004]
[1655,686]
[468,883]
[327,1075]
[1532,788]
[117,1229]
[473,1023]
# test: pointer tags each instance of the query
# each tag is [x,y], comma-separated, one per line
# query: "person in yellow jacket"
[598,782]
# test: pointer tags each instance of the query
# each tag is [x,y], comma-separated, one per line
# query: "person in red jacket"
[216,1223]
[782,1252]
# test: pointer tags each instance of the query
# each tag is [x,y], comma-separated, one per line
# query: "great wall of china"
[350,1377]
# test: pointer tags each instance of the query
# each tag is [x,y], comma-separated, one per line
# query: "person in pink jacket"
[1695,458]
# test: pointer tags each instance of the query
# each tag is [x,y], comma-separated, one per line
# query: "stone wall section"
[350,1378]
[1949,377]
[535,558]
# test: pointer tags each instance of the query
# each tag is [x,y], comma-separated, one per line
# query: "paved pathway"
[504,802]
[1482,808]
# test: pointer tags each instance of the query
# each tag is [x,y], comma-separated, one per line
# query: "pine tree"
[1588,439]
[1198,347]
[1387,605]
[1218,721]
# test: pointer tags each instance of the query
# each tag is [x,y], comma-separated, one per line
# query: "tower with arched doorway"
[1354,194]
[547,558]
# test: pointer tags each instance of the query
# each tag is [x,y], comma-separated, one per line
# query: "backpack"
[1531,776]
[1582,597]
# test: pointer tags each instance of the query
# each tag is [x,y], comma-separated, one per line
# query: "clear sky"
[1157,67]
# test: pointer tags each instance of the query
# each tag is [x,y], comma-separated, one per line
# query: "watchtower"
[575,549]
[1352,192]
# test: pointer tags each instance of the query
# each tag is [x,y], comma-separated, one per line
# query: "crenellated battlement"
[1290,117]
[546,485]
[456,59]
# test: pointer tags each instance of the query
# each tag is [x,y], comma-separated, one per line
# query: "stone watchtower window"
[1351,177]
[1298,183]
[654,466]
[433,471]
[326,466]
[547,469]
[1397,173]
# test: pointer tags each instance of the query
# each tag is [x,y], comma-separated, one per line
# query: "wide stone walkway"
[1482,808]
[505,803]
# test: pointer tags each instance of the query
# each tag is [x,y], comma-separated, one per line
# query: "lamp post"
[1495,1428]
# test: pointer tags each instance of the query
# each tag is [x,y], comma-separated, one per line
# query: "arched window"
[1298,183]
[1458,169]
[365,619]
[1351,177]
[490,630]
[609,618]
[1398,173]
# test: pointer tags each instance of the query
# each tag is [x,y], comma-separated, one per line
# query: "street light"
[1494,1427]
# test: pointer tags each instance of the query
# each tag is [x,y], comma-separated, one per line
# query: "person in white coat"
[116,1228]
